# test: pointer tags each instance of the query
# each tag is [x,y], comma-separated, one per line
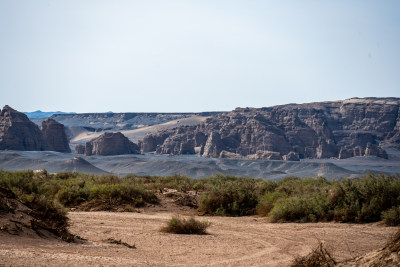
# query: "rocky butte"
[339,129]
[108,144]
[55,136]
[17,132]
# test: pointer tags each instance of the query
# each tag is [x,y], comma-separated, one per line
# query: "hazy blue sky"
[93,56]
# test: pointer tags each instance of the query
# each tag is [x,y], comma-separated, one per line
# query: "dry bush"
[177,225]
[119,242]
[320,256]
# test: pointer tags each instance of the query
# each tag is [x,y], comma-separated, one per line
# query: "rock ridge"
[334,129]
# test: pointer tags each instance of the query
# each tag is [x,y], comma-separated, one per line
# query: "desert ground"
[198,167]
[231,241]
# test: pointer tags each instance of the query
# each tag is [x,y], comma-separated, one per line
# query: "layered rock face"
[54,135]
[353,127]
[17,132]
[109,144]
[370,150]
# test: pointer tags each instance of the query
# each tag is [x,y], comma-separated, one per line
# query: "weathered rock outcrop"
[17,132]
[110,144]
[291,156]
[269,155]
[373,150]
[225,154]
[213,145]
[80,149]
[54,136]
[316,130]
[177,145]
[345,153]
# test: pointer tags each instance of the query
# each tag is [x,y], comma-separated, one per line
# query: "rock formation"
[213,145]
[373,150]
[345,153]
[54,135]
[80,149]
[291,156]
[342,129]
[17,132]
[110,144]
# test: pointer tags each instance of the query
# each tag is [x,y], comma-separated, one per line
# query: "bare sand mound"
[51,161]
[388,256]
[18,219]
[241,241]
[76,164]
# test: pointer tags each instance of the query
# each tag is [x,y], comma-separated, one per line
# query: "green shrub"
[177,225]
[71,196]
[267,201]
[364,199]
[231,196]
[122,193]
[296,209]
[391,217]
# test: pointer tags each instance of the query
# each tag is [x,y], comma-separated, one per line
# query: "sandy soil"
[245,241]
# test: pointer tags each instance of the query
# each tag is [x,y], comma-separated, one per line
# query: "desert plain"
[230,241]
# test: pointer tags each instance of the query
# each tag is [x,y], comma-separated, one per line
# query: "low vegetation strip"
[372,198]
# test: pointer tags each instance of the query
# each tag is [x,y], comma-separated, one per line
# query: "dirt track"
[245,241]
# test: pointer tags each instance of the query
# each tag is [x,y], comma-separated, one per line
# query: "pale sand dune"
[138,134]
[243,241]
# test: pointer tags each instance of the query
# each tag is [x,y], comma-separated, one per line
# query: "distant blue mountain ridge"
[42,114]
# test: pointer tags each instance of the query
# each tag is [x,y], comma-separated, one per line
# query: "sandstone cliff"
[54,135]
[17,132]
[353,127]
[109,144]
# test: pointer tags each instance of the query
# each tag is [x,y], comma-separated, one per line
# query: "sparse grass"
[191,226]
[319,257]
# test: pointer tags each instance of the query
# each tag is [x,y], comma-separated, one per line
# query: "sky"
[192,56]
